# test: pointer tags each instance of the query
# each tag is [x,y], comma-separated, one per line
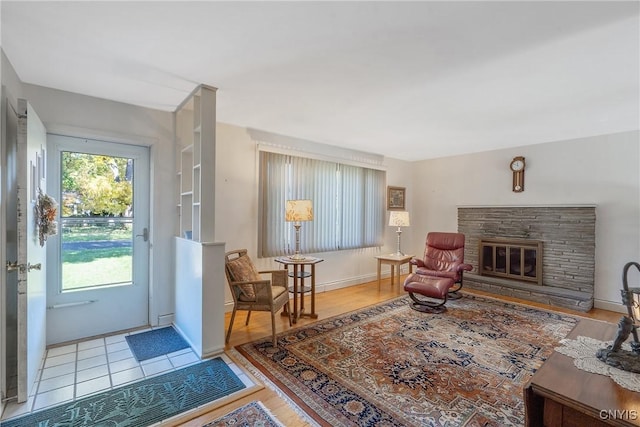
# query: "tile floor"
[78,370]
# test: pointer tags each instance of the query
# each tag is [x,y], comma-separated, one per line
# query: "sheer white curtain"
[348,204]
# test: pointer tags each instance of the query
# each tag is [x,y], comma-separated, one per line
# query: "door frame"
[4,99]
[119,149]
[8,103]
[124,138]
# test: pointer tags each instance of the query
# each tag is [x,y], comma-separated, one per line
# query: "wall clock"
[517,167]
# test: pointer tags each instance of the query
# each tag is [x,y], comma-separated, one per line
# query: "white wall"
[10,79]
[601,171]
[237,212]
[236,187]
[83,116]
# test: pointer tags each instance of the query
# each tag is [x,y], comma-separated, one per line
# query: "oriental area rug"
[388,365]
[251,414]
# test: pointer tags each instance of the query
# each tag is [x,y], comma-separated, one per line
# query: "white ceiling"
[410,80]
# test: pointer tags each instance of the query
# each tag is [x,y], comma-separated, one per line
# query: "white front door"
[99,262]
[30,266]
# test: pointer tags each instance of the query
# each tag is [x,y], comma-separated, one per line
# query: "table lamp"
[399,219]
[297,211]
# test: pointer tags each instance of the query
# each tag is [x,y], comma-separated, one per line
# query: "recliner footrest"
[429,286]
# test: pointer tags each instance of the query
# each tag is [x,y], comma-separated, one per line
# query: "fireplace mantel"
[578,205]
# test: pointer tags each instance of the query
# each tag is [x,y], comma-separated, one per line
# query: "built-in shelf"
[195,137]
[199,275]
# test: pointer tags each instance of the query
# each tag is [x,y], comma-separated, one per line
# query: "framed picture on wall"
[395,198]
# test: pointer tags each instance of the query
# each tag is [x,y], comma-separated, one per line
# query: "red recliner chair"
[438,275]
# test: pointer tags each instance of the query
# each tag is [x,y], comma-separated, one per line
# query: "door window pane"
[96,220]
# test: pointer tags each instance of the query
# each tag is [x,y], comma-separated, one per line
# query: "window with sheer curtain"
[348,205]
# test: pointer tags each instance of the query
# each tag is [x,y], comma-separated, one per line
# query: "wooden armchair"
[252,293]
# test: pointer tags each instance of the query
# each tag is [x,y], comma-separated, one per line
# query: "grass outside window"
[96,254]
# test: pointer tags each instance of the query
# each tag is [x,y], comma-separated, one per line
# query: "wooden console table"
[299,275]
[559,394]
[394,261]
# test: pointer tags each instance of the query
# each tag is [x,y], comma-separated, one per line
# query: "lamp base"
[398,252]
[296,256]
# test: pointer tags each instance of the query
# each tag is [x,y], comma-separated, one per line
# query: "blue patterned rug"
[250,415]
[141,403]
[150,344]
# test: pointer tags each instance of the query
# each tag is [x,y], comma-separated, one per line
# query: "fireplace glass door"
[512,259]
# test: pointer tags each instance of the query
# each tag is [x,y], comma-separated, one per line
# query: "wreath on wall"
[46,209]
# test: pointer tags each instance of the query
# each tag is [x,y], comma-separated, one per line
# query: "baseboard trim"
[611,306]
[187,339]
[346,283]
[353,281]
[211,352]
[340,284]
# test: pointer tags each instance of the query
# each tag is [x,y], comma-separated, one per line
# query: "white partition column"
[200,295]
[199,260]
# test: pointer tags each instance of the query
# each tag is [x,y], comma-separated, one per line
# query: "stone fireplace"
[544,254]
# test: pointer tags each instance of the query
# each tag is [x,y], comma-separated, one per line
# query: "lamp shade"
[298,210]
[399,219]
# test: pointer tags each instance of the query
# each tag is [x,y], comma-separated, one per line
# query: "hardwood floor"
[330,304]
